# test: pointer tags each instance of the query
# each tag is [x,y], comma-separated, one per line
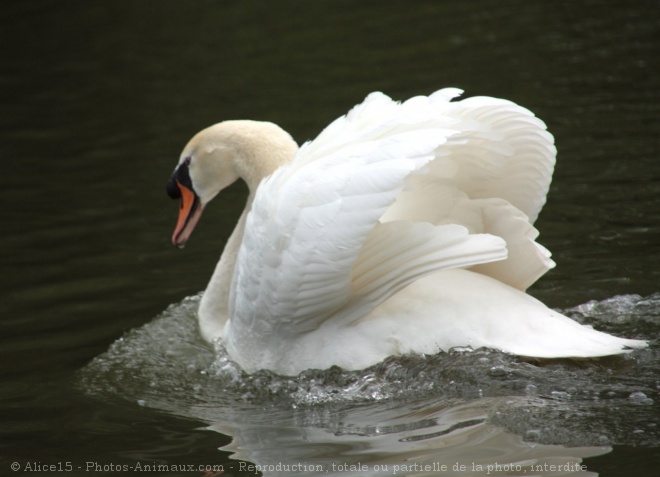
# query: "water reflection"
[99,97]
[426,438]
[438,415]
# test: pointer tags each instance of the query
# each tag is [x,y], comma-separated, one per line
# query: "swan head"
[218,156]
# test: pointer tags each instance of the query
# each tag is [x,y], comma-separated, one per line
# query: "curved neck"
[259,150]
[214,307]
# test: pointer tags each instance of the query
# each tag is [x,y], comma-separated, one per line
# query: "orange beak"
[190,211]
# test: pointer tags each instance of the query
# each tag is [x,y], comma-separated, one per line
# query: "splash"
[165,365]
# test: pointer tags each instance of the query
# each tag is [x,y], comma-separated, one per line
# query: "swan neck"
[257,149]
[214,306]
[260,148]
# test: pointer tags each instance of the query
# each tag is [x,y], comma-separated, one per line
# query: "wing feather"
[308,223]
[501,154]
[385,195]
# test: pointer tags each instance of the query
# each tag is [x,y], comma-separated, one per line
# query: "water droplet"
[639,397]
[560,395]
[497,371]
[533,435]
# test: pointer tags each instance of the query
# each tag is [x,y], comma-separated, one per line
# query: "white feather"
[401,228]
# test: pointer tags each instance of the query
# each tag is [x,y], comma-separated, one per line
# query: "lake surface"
[102,369]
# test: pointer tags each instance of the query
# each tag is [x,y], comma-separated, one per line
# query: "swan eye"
[181,175]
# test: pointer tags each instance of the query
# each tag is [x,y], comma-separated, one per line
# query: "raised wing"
[492,176]
[314,246]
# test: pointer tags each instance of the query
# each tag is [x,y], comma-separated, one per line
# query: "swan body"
[402,228]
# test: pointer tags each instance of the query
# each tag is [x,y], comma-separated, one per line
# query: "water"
[98,100]
[457,413]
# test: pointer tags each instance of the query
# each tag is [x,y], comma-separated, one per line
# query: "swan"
[402,228]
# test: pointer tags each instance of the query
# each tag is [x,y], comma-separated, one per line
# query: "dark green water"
[98,99]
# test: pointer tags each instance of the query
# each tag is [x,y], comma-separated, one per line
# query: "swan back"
[350,221]
[401,228]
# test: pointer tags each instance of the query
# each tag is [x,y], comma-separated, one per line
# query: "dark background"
[99,98]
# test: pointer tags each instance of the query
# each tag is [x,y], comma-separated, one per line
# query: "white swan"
[402,228]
